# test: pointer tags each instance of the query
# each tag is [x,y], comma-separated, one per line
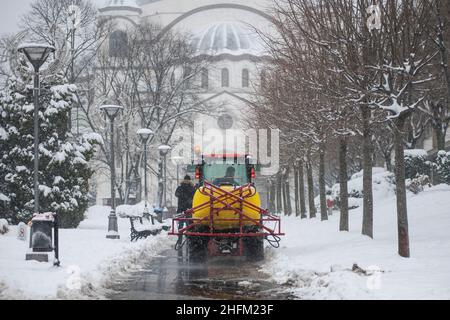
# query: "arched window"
[225,78]
[118,44]
[245,78]
[205,78]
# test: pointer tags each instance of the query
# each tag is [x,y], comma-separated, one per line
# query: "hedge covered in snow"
[419,167]
[442,165]
[417,164]
[383,187]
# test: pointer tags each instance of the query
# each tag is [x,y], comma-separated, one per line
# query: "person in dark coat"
[185,194]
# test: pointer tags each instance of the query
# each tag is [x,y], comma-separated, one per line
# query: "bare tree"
[74,21]
[437,104]
[324,28]
[154,77]
[402,71]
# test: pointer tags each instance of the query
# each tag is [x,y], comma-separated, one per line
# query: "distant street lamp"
[145,135]
[37,55]
[162,191]
[178,161]
[112,111]
[73,21]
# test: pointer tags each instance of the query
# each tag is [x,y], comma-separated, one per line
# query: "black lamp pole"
[37,55]
[112,111]
[112,225]
[145,135]
[36,140]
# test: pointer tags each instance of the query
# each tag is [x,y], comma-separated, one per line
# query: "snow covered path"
[89,261]
[171,277]
[316,259]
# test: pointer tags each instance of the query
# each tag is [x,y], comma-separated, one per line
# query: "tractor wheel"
[197,249]
[254,248]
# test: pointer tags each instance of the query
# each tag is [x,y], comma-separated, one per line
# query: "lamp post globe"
[112,111]
[145,135]
[164,150]
[37,55]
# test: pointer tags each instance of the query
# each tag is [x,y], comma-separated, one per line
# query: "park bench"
[140,230]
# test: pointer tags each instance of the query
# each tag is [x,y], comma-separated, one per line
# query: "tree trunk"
[140,190]
[272,197]
[283,188]
[279,194]
[288,194]
[367,227]
[440,139]
[312,207]
[322,185]
[343,177]
[402,211]
[302,191]
[442,38]
[388,161]
[296,191]
[127,168]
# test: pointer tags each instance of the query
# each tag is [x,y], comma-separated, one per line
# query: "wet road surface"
[170,277]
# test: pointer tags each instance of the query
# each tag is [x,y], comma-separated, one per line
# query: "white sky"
[12,10]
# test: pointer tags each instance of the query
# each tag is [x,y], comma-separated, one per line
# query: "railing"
[267,225]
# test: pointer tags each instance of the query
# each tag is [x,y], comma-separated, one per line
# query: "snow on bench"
[141,227]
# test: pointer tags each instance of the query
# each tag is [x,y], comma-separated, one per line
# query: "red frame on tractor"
[228,200]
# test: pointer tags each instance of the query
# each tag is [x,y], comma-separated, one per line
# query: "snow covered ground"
[89,261]
[316,259]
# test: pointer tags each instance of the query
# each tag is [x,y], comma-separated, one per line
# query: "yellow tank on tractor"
[226,218]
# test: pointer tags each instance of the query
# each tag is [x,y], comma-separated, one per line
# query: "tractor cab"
[225,170]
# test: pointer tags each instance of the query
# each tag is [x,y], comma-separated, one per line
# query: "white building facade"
[221,30]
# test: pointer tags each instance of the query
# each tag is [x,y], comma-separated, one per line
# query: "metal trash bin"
[44,227]
[42,236]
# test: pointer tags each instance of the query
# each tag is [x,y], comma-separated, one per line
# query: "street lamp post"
[145,135]
[162,196]
[112,111]
[178,160]
[37,55]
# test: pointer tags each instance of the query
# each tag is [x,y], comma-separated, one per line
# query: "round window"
[225,122]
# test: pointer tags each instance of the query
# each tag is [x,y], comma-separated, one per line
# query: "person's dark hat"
[231,171]
[187,178]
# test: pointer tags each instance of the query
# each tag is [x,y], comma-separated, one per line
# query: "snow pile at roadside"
[92,284]
[88,260]
[317,260]
[383,187]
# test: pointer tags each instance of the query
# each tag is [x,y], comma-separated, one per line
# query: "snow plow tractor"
[226,218]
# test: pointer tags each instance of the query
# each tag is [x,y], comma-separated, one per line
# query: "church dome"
[130,5]
[233,38]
